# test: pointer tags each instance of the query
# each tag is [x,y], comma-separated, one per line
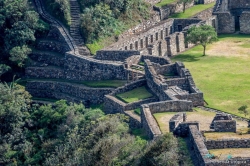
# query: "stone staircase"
[75,28]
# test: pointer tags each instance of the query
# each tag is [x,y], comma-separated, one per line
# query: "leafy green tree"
[3,69]
[202,35]
[243,110]
[19,54]
[184,3]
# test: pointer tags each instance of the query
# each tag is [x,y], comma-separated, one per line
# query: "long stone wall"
[228,143]
[51,89]
[148,123]
[115,55]
[170,106]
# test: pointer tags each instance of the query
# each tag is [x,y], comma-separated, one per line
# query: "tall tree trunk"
[184,7]
[204,50]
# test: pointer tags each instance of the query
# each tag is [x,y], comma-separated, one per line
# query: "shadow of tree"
[186,58]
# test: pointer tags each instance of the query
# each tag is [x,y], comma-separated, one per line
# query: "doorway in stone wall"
[237,23]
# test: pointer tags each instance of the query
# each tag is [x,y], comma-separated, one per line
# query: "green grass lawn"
[94,84]
[45,99]
[164,3]
[192,11]
[105,83]
[134,95]
[223,75]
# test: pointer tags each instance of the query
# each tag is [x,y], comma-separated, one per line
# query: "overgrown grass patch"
[140,133]
[135,95]
[137,111]
[223,154]
[225,135]
[164,3]
[223,74]
[192,11]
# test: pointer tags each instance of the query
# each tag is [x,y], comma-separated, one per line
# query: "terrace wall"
[228,143]
[63,90]
[111,55]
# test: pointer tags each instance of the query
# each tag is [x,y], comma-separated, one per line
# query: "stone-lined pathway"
[75,27]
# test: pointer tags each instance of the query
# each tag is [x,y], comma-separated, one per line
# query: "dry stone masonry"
[141,57]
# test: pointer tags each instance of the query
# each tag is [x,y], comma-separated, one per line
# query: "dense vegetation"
[19,25]
[103,18]
[65,134]
[60,9]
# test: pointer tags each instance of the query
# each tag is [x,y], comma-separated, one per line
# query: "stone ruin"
[223,123]
[172,85]
[232,15]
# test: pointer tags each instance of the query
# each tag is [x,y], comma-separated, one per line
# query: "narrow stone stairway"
[75,28]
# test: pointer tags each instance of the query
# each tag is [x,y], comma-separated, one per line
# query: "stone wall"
[238,4]
[182,129]
[174,121]
[205,14]
[51,89]
[144,38]
[226,23]
[198,145]
[225,125]
[114,105]
[111,55]
[157,59]
[154,83]
[170,9]
[149,123]
[44,72]
[170,106]
[84,68]
[228,143]
[245,22]
[54,46]
[48,58]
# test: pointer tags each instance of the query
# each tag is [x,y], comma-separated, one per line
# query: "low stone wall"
[134,120]
[198,145]
[129,86]
[132,60]
[225,125]
[170,106]
[113,105]
[148,123]
[51,89]
[182,129]
[228,143]
[174,121]
[111,55]
[157,59]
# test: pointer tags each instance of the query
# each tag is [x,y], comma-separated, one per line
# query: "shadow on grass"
[222,36]
[186,58]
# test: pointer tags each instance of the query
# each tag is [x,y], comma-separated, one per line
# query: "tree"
[184,3]
[243,110]
[203,35]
